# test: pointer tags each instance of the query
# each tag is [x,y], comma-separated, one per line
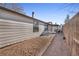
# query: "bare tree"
[67,19]
[13,6]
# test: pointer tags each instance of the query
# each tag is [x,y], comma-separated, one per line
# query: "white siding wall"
[53,29]
[12,31]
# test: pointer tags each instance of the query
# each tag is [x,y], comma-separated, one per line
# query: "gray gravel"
[58,47]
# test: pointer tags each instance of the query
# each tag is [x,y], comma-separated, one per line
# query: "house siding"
[16,28]
[11,31]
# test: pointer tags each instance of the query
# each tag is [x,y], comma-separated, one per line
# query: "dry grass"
[29,47]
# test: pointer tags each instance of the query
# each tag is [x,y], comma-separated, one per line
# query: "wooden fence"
[71,32]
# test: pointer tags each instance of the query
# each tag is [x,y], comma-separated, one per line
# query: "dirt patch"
[29,47]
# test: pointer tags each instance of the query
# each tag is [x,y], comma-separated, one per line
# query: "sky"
[50,12]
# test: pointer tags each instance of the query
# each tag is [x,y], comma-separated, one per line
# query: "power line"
[70,7]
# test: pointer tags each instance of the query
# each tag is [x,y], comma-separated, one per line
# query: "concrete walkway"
[58,47]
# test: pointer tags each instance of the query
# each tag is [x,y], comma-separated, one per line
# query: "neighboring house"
[51,28]
[55,28]
[48,27]
[16,27]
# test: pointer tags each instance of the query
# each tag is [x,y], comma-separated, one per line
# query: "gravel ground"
[58,47]
[29,47]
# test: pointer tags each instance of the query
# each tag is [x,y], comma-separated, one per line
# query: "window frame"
[35,26]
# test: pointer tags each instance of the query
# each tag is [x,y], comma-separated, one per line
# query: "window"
[35,26]
[46,28]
